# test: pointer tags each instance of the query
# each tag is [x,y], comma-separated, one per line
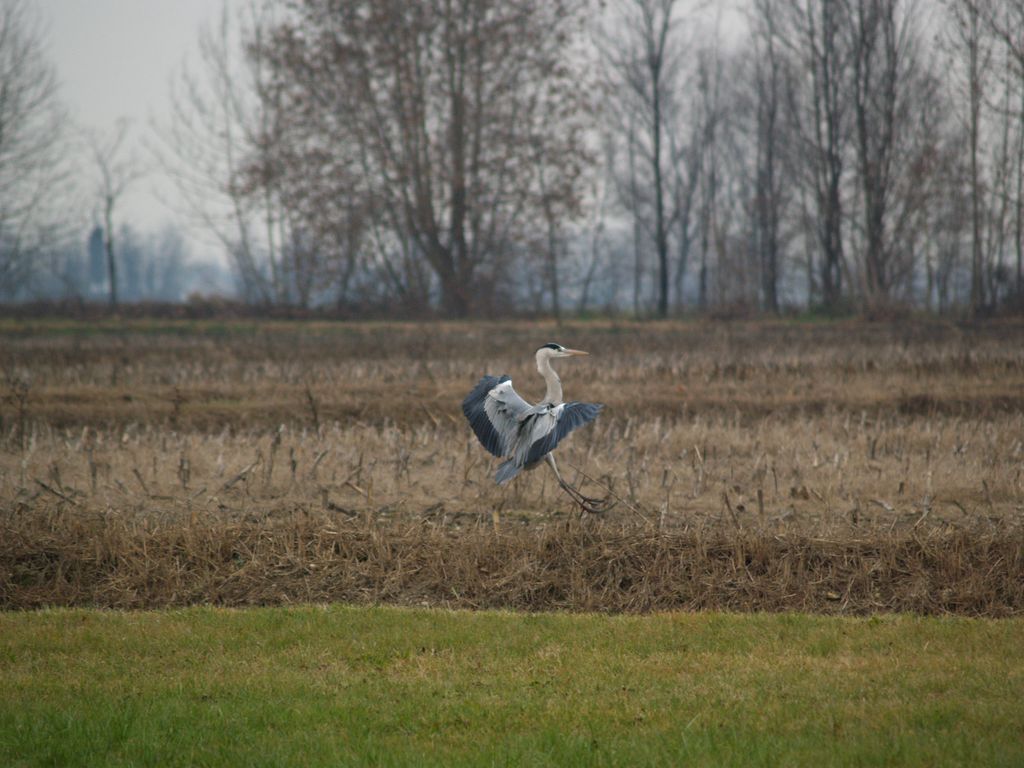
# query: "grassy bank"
[339,686]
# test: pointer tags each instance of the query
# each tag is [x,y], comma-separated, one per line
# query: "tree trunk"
[974,85]
[702,284]
[682,262]
[1019,285]
[454,296]
[634,198]
[767,203]
[828,145]
[831,267]
[552,269]
[109,245]
[660,235]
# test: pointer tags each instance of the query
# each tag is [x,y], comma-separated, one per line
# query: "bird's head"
[549,351]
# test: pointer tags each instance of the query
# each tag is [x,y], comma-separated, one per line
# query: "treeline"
[62,238]
[654,156]
[151,267]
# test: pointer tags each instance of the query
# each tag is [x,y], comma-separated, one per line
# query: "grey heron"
[523,434]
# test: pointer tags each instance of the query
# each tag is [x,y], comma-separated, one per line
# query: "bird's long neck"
[554,393]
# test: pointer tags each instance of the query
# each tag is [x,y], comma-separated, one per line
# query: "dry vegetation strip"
[105,562]
[842,467]
[245,375]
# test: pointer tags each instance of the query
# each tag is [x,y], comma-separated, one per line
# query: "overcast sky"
[114,59]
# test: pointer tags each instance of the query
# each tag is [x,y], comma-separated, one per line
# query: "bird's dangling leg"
[586,503]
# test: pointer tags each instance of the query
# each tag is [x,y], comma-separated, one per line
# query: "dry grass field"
[836,467]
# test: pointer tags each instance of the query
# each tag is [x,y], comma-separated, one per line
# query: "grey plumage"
[511,428]
[473,408]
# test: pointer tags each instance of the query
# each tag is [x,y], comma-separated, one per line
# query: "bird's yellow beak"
[575,352]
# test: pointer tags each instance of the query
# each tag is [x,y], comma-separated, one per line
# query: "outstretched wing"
[551,427]
[495,411]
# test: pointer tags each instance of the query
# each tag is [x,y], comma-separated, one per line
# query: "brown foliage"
[847,467]
[104,561]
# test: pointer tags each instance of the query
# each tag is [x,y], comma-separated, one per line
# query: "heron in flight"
[523,434]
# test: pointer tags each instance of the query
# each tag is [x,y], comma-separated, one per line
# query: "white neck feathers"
[554,391]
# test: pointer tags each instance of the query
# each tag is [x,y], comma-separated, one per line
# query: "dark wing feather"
[473,408]
[496,412]
[572,415]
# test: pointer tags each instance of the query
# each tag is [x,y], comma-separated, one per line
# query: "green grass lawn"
[383,686]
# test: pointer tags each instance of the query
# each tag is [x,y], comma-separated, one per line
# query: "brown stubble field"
[838,467]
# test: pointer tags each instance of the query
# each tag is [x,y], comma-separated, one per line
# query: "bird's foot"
[591,504]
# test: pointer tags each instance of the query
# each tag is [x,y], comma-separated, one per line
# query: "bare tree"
[554,241]
[686,165]
[973,46]
[893,98]
[1004,21]
[1019,162]
[600,196]
[441,109]
[1001,106]
[117,171]
[33,172]
[224,129]
[772,76]
[814,32]
[875,73]
[645,61]
[711,116]
[632,197]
